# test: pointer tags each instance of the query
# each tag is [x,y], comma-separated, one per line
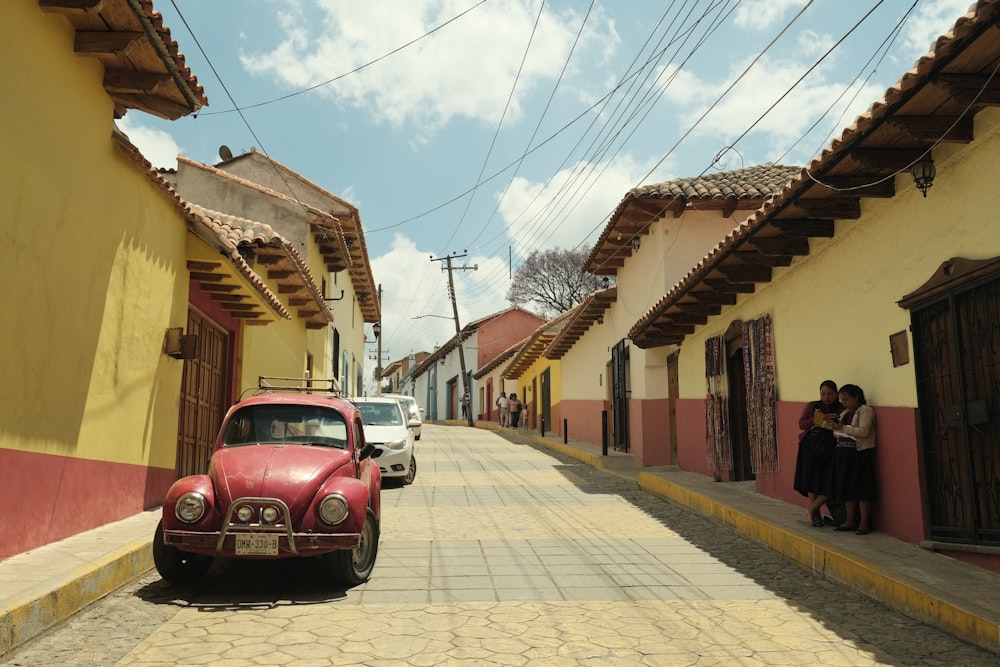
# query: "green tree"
[553,281]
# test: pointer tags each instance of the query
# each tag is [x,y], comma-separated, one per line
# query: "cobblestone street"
[503,554]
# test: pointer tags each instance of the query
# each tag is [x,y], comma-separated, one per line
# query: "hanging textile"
[758,366]
[716,407]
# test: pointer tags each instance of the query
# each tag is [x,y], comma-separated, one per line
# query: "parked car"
[291,476]
[387,428]
[410,405]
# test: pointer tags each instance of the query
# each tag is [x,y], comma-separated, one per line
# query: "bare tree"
[553,280]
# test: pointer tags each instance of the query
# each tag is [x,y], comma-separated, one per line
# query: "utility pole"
[467,395]
[378,345]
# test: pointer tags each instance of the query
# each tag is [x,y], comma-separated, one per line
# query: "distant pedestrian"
[515,410]
[504,404]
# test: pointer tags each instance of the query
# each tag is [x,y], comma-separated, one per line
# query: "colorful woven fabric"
[717,407]
[758,360]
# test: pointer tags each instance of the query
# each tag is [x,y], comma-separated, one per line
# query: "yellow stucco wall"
[532,378]
[92,263]
[834,310]
[583,366]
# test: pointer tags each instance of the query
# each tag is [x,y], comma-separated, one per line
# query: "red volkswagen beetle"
[290,476]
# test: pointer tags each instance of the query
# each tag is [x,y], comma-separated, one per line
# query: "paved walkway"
[41,588]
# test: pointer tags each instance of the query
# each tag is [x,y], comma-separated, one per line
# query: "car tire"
[411,472]
[176,566]
[354,566]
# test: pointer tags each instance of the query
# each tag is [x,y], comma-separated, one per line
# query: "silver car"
[412,409]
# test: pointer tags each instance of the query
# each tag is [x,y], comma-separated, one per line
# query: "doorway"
[739,439]
[957,365]
[203,395]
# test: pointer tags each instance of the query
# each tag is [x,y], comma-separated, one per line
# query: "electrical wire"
[496,134]
[339,76]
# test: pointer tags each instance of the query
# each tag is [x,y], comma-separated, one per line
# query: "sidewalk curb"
[38,609]
[890,588]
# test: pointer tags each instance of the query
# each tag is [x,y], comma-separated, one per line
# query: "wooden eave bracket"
[71,6]
[106,43]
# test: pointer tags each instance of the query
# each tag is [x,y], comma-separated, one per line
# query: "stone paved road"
[501,554]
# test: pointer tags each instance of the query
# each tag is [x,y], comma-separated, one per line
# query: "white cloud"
[568,208]
[157,146]
[759,14]
[464,70]
[788,121]
[416,311]
[930,21]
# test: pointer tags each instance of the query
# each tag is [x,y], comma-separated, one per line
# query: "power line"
[340,76]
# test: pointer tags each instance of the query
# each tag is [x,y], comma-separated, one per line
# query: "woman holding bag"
[816,444]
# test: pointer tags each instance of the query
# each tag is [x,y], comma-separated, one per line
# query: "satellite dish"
[225,153]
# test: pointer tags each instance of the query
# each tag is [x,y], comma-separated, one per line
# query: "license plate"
[256,545]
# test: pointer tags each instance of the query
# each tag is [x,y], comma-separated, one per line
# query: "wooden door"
[956,341]
[203,389]
[673,390]
[619,395]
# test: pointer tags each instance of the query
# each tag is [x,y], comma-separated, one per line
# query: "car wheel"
[354,566]
[176,566]
[411,472]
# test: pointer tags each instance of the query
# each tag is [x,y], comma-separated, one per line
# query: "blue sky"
[500,127]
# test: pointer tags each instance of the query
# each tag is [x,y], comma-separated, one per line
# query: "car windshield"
[295,424]
[381,414]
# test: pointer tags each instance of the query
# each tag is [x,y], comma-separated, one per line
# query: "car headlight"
[269,514]
[396,444]
[244,513]
[190,507]
[333,509]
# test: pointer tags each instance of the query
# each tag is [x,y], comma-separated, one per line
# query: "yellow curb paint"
[893,590]
[30,615]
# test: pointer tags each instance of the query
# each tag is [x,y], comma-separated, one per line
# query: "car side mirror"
[413,423]
[366,451]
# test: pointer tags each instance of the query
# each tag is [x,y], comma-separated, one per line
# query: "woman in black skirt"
[854,460]
[816,443]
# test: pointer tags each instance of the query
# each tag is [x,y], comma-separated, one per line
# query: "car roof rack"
[273,383]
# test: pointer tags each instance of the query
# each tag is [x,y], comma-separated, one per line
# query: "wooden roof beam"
[106,42]
[781,245]
[701,309]
[715,298]
[723,286]
[804,227]
[746,274]
[860,186]
[71,6]
[843,208]
[932,129]
[126,81]
[971,88]
[886,160]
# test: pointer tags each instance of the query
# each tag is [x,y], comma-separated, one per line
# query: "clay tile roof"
[209,274]
[935,101]
[757,182]
[143,68]
[590,310]
[535,344]
[283,262]
[725,191]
